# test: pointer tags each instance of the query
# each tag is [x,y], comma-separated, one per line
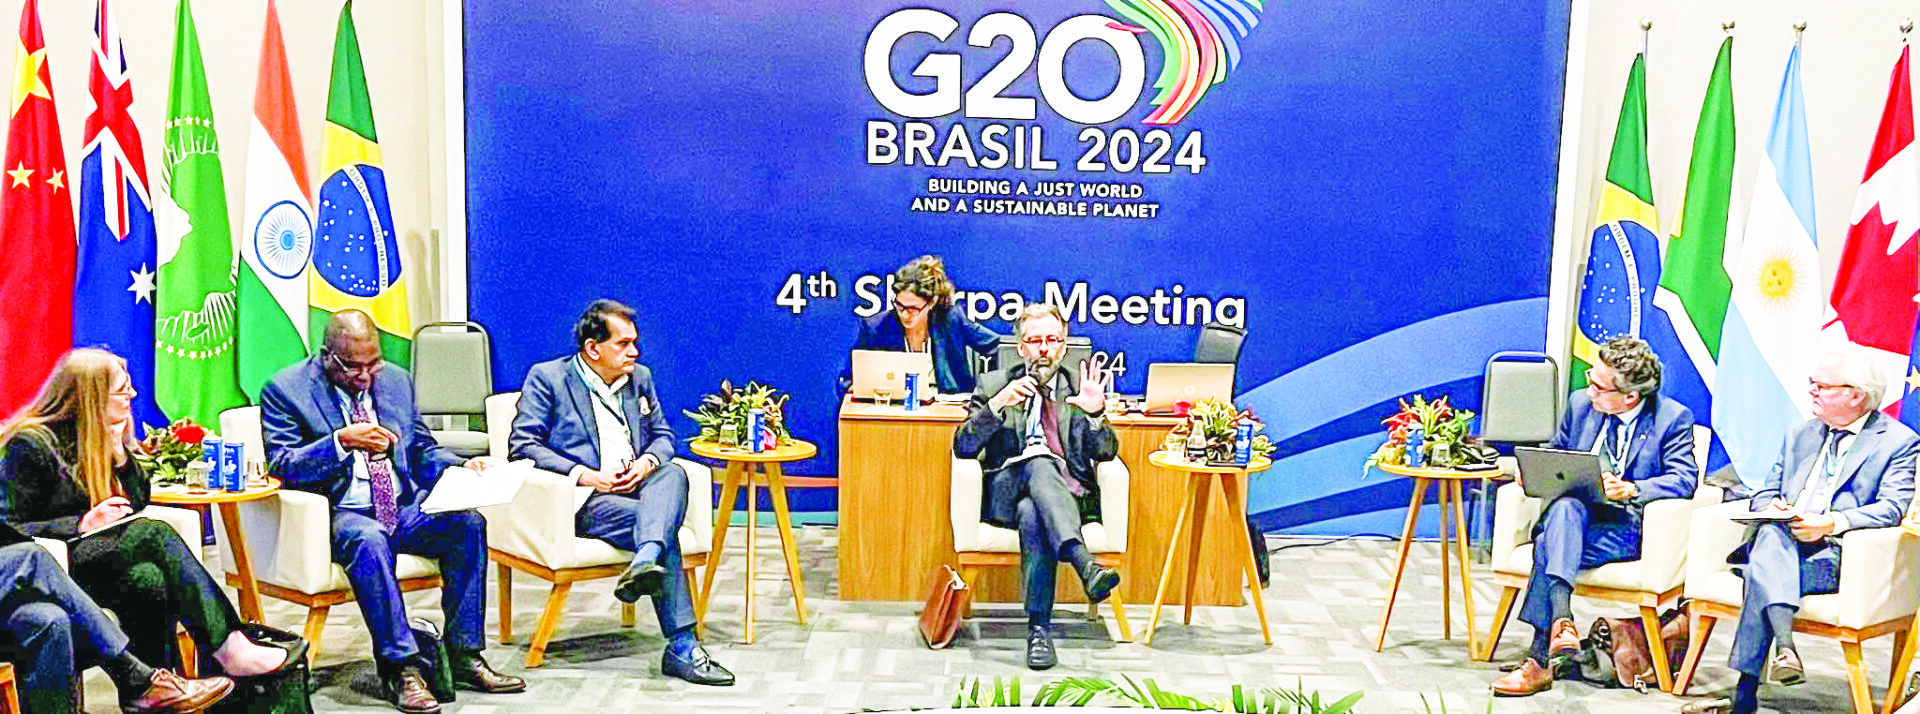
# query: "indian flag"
[356,254]
[277,228]
[1768,344]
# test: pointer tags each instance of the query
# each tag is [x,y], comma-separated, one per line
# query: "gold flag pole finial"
[1906,28]
[1727,26]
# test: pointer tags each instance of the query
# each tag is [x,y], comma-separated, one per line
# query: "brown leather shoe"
[472,672]
[1565,640]
[1529,679]
[169,693]
[1787,670]
[410,694]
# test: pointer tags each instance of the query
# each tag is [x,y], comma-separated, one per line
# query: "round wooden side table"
[755,470]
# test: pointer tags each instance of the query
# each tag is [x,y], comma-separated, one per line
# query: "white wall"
[1847,56]
[401,46]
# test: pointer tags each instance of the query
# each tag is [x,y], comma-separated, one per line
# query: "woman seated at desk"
[67,469]
[923,319]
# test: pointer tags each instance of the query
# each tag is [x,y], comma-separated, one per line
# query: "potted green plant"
[722,416]
[1443,430]
[1218,423]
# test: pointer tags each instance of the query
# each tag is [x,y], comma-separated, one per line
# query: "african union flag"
[1623,263]
[356,256]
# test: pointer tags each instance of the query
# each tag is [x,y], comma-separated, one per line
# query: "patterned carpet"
[1324,608]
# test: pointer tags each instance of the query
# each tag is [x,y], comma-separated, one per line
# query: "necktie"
[1611,448]
[1817,496]
[386,508]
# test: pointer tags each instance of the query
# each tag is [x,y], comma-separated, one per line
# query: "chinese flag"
[36,227]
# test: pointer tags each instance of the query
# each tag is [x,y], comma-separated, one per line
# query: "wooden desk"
[895,527]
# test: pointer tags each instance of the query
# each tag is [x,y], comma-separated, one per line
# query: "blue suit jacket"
[299,412]
[1661,456]
[952,335]
[555,425]
[1876,476]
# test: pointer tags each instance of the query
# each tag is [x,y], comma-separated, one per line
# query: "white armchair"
[981,545]
[289,541]
[534,535]
[1879,593]
[1648,583]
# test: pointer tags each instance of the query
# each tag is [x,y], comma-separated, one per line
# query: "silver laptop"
[1170,382]
[874,370]
[1548,474]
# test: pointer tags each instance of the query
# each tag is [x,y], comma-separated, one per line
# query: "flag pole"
[1727,26]
[1906,28]
[1646,28]
[1799,27]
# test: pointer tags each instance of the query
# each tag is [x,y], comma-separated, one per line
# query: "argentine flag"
[1769,341]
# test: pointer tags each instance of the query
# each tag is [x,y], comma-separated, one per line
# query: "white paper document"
[461,488]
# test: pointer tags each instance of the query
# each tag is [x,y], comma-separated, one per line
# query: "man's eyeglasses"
[369,369]
[1595,386]
[1043,341]
[1820,386]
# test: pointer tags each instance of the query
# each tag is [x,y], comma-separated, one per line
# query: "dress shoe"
[642,578]
[1787,669]
[472,672]
[1566,639]
[408,691]
[1099,581]
[697,668]
[169,693]
[1040,648]
[1529,679]
[1721,705]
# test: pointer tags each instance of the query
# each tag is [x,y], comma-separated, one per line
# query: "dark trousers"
[1048,518]
[457,540]
[151,580]
[1572,537]
[1779,569]
[52,628]
[651,513]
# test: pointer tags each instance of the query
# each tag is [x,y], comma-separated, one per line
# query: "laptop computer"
[1548,474]
[883,369]
[1170,382]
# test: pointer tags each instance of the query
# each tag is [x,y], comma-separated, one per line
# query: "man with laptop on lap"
[1847,468]
[1645,447]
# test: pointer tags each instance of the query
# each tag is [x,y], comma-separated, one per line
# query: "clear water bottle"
[1415,459]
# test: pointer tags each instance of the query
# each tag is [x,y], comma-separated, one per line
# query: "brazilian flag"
[356,253]
[1623,260]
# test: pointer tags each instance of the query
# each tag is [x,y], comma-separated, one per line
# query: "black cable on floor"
[1331,541]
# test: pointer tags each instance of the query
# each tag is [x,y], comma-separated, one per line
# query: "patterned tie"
[386,508]
[1823,477]
[1610,450]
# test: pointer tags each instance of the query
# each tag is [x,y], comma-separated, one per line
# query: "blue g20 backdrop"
[1365,186]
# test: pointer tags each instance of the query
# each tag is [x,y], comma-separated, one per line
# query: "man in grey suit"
[1850,467]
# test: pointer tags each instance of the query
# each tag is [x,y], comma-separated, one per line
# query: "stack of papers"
[461,488]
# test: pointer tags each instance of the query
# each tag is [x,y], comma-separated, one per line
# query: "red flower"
[189,433]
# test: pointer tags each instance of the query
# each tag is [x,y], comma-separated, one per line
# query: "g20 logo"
[987,98]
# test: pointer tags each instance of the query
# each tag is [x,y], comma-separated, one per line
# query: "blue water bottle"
[756,426]
[233,465]
[1243,443]
[211,451]
[913,392]
[1415,459]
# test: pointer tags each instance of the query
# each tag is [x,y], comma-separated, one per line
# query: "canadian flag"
[1875,289]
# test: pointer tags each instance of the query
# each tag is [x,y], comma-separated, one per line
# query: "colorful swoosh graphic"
[1199,45]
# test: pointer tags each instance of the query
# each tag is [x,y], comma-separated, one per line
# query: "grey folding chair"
[452,378]
[1521,397]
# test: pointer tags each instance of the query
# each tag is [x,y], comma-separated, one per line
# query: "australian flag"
[1910,385]
[113,283]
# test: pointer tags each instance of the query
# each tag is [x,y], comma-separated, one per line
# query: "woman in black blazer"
[67,468]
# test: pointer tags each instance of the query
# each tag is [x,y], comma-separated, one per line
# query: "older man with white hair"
[1849,467]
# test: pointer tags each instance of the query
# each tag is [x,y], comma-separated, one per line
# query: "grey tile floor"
[1324,609]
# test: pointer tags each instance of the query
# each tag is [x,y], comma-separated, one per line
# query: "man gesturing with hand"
[1039,431]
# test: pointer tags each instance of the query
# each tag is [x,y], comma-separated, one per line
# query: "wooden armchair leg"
[699,603]
[549,619]
[316,621]
[969,574]
[10,692]
[1657,647]
[1501,613]
[1697,635]
[189,655]
[1120,615]
[506,603]
[1903,647]
[1857,687]
[626,614]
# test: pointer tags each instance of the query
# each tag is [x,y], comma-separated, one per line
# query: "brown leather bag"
[940,621]
[1616,651]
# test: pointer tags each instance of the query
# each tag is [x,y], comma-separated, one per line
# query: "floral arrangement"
[1443,432]
[167,450]
[722,417]
[1218,424]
